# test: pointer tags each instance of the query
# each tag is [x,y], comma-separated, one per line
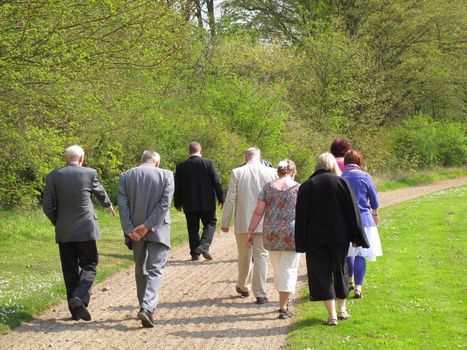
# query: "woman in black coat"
[327,220]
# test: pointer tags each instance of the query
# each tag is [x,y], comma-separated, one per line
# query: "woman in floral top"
[277,203]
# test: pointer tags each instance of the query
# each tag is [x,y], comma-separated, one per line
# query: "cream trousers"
[252,274]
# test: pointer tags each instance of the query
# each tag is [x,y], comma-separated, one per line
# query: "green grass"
[414,295]
[395,181]
[30,276]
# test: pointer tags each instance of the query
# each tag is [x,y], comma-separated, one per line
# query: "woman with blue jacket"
[367,198]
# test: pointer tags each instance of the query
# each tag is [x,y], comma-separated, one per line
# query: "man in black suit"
[197,185]
[67,203]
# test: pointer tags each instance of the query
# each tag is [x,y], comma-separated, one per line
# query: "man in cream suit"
[67,203]
[245,184]
[144,196]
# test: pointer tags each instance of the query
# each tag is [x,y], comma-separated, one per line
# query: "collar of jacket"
[254,161]
[350,167]
[320,171]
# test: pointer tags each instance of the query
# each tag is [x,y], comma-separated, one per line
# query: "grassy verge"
[414,295]
[30,276]
[388,183]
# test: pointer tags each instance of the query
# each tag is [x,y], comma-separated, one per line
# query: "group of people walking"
[331,218]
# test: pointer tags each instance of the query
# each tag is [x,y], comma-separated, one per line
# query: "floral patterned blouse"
[279,217]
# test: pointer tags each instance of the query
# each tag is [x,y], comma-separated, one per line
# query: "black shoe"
[74,314]
[241,292]
[205,253]
[195,258]
[146,318]
[261,300]
[80,309]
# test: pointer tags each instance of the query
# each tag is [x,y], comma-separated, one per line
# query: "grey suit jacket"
[67,203]
[144,196]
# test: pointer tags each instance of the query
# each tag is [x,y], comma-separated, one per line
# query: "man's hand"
[249,240]
[112,210]
[138,232]
[179,208]
[221,205]
[225,229]
[141,230]
[134,236]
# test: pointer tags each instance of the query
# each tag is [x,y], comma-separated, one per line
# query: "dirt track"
[198,309]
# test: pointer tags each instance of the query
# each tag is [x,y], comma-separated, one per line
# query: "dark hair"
[353,157]
[340,146]
[194,147]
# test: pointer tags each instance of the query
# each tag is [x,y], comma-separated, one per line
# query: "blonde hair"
[326,161]
[286,166]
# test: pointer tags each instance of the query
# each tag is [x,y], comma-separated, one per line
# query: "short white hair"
[73,153]
[326,161]
[150,156]
[253,152]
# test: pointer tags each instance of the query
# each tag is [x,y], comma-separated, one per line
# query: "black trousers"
[327,272]
[79,263]
[208,219]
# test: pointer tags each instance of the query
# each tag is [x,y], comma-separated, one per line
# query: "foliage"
[119,77]
[424,142]
[402,307]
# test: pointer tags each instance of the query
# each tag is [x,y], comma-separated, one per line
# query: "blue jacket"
[365,193]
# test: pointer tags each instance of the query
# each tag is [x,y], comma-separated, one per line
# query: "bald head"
[252,153]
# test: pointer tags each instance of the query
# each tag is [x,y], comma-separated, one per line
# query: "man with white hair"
[245,185]
[144,196]
[67,203]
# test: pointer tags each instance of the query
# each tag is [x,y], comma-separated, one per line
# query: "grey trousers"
[150,259]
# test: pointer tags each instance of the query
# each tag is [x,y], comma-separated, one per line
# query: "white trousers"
[285,268]
[252,274]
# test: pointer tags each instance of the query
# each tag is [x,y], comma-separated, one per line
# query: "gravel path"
[198,309]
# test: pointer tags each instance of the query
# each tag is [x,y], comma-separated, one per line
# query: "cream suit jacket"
[245,185]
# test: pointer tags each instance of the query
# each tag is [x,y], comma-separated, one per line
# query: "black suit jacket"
[196,185]
[327,213]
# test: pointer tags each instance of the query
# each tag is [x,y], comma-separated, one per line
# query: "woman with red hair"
[365,192]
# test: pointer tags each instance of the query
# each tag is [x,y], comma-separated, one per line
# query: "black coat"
[196,185]
[327,213]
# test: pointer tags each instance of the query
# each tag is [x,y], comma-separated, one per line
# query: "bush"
[422,142]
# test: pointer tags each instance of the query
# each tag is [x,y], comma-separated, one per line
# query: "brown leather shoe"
[80,309]
[146,318]
[204,252]
[241,292]
[261,300]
